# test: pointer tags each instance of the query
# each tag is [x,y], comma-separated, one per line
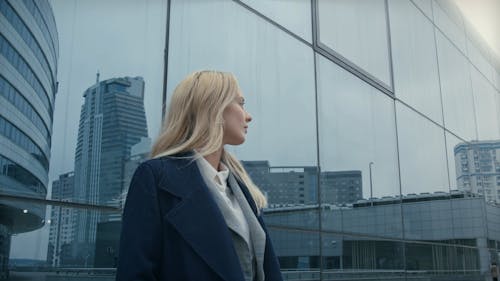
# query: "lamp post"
[371,182]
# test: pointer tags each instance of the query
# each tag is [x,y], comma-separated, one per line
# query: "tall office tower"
[284,185]
[28,70]
[112,120]
[62,222]
[108,229]
[138,154]
[341,187]
[477,166]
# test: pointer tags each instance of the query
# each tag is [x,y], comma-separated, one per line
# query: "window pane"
[485,107]
[497,96]
[421,153]
[456,165]
[51,246]
[269,80]
[469,218]
[493,220]
[276,74]
[416,79]
[294,15]
[362,258]
[425,6]
[478,171]
[428,259]
[497,77]
[479,58]
[104,119]
[95,127]
[456,89]
[449,20]
[356,128]
[357,151]
[357,30]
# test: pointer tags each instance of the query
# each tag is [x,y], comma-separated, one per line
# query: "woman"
[192,212]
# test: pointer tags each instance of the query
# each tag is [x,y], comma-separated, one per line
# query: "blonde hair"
[195,121]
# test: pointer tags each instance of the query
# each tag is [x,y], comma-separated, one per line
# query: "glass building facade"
[375,131]
[112,120]
[28,85]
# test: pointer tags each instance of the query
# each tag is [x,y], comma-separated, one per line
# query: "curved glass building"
[28,84]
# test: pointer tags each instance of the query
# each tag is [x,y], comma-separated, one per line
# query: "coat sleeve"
[140,241]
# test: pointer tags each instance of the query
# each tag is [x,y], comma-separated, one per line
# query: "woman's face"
[236,120]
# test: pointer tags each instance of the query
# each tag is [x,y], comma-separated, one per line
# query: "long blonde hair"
[195,121]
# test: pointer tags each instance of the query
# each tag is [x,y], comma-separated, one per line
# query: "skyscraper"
[138,154]
[108,230]
[478,168]
[112,120]
[62,221]
[28,84]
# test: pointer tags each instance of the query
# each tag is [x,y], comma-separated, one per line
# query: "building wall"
[386,88]
[28,85]
[478,168]
[430,226]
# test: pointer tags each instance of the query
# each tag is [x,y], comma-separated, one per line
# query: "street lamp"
[371,183]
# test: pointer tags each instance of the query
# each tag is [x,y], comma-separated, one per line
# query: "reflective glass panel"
[416,78]
[457,165]
[456,89]
[485,107]
[106,111]
[421,153]
[449,21]
[52,252]
[275,86]
[358,158]
[294,15]
[357,31]
[353,258]
[276,75]
[425,6]
[430,259]
[479,58]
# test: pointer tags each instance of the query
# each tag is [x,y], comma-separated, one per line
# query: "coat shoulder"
[160,167]
[173,174]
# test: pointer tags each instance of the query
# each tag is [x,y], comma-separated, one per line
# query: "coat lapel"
[256,231]
[271,265]
[198,219]
[230,218]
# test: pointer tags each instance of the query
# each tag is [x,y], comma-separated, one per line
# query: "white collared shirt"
[219,179]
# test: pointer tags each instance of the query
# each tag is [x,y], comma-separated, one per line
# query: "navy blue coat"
[173,230]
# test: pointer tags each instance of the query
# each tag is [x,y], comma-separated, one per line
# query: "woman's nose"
[248,117]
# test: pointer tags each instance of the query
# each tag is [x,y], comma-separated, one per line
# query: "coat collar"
[197,217]
[182,171]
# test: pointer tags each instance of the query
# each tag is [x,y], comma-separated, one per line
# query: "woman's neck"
[214,159]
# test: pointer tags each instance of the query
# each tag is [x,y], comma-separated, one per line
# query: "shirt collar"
[209,172]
